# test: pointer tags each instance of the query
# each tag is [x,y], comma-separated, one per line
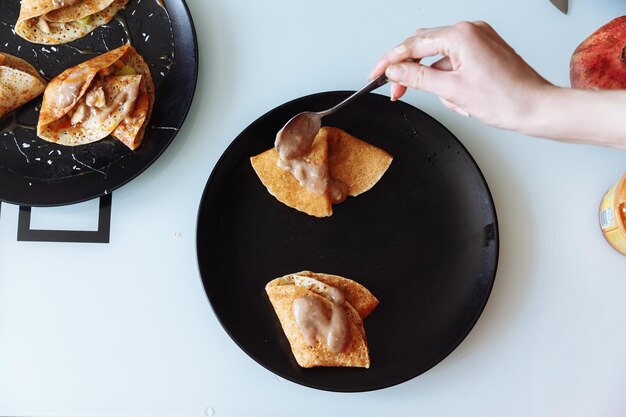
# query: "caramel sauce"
[70,88]
[293,144]
[312,320]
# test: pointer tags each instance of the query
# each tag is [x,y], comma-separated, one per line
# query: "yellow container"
[613,215]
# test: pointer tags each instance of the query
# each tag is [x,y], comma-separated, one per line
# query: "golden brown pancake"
[19,83]
[347,159]
[354,162]
[53,22]
[76,11]
[355,352]
[282,185]
[112,94]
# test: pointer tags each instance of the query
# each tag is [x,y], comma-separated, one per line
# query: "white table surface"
[125,329]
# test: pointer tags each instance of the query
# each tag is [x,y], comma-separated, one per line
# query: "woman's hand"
[479,74]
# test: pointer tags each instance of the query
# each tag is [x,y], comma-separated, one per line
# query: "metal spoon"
[295,138]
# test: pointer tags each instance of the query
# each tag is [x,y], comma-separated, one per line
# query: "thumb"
[421,77]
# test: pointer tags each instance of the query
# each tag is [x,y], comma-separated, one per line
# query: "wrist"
[577,116]
[538,114]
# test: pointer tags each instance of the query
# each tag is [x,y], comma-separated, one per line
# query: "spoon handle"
[373,85]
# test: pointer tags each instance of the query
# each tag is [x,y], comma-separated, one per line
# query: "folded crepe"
[285,187]
[354,162]
[54,22]
[346,160]
[322,318]
[355,294]
[19,83]
[112,94]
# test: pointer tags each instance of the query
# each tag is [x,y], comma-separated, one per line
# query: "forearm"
[578,116]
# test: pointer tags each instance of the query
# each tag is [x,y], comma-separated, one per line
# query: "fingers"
[421,77]
[402,63]
[444,64]
[423,43]
[485,27]
[389,58]
[491,33]
[397,91]
[434,41]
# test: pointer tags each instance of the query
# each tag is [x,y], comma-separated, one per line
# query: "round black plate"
[34,172]
[424,240]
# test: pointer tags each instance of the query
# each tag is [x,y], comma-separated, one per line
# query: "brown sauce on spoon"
[293,143]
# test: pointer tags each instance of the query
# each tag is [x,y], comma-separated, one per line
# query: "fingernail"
[395,72]
[399,49]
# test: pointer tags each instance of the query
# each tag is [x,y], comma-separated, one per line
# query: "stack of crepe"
[349,160]
[358,303]
[112,94]
[19,83]
[53,22]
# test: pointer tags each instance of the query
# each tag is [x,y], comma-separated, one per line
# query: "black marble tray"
[34,172]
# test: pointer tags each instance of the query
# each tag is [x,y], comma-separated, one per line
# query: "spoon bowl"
[296,136]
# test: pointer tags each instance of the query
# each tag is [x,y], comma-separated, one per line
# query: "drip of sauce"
[312,321]
[337,191]
[293,143]
[314,177]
